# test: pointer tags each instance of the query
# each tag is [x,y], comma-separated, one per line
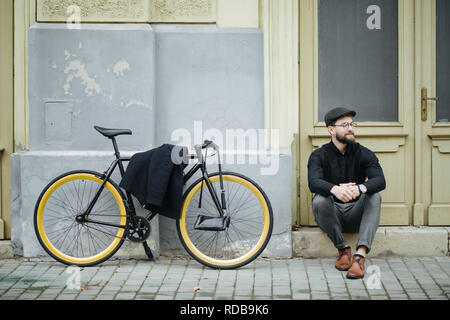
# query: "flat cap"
[337,113]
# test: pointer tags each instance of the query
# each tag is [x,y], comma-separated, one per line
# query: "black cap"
[337,113]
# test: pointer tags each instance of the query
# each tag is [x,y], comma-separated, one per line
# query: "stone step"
[6,251]
[311,242]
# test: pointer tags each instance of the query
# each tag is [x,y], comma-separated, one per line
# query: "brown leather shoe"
[343,262]
[356,271]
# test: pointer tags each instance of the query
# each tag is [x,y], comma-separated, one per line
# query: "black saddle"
[109,133]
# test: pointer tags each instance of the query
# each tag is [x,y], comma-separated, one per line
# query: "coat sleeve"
[374,173]
[316,182]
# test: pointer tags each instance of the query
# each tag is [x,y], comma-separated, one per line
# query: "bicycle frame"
[200,165]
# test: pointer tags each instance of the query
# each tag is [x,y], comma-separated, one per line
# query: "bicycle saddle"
[109,133]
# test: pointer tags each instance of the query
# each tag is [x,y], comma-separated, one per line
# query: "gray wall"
[153,81]
[211,75]
[100,74]
[216,76]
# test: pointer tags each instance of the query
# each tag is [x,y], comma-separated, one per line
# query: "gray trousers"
[361,216]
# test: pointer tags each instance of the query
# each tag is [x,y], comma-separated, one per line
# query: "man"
[346,178]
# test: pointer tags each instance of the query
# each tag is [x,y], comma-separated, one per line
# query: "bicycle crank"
[140,230]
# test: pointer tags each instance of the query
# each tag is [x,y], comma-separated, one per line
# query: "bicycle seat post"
[117,154]
[116,148]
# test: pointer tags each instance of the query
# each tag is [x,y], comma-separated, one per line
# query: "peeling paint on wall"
[135,102]
[76,69]
[69,55]
[121,67]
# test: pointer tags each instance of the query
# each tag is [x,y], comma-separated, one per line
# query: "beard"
[346,138]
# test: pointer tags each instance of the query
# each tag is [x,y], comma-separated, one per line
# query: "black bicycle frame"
[130,207]
[105,177]
[205,176]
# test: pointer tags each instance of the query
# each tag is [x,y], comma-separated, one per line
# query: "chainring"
[140,230]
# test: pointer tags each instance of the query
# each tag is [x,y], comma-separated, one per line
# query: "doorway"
[360,54]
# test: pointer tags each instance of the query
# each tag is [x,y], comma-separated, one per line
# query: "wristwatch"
[362,188]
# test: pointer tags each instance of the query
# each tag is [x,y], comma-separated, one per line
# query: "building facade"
[178,71]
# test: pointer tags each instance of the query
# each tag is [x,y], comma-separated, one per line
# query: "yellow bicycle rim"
[248,255]
[40,220]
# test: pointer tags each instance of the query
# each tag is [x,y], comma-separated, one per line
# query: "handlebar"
[206,144]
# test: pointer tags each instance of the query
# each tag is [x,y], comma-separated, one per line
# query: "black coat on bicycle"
[156,181]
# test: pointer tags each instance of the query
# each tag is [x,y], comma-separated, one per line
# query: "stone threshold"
[311,242]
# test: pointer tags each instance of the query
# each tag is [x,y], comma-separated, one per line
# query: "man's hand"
[354,189]
[346,191]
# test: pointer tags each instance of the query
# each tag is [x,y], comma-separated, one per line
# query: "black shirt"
[328,167]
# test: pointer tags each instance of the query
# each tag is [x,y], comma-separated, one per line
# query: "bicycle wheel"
[248,231]
[73,242]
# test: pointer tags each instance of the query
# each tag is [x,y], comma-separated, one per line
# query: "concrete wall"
[211,75]
[212,79]
[156,81]
[97,75]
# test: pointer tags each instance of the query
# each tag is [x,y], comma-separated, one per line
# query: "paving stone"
[167,279]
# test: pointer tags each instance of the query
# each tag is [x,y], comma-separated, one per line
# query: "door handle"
[424,103]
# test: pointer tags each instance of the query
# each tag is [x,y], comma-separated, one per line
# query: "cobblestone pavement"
[178,278]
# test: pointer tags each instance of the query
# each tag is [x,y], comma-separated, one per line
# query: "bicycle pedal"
[207,223]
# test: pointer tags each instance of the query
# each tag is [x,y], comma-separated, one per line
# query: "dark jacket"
[156,181]
[328,167]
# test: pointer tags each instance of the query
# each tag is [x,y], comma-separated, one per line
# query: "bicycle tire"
[238,233]
[51,213]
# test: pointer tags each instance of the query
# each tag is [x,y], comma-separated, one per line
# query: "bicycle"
[83,217]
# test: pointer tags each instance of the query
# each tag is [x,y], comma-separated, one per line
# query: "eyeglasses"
[345,125]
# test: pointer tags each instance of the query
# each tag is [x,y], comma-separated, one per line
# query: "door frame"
[433,139]
[6,112]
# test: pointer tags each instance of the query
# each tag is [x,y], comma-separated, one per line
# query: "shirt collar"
[349,150]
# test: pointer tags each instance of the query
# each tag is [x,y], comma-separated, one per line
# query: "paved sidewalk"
[177,278]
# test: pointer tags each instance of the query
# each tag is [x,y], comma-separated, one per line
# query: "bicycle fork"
[207,223]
